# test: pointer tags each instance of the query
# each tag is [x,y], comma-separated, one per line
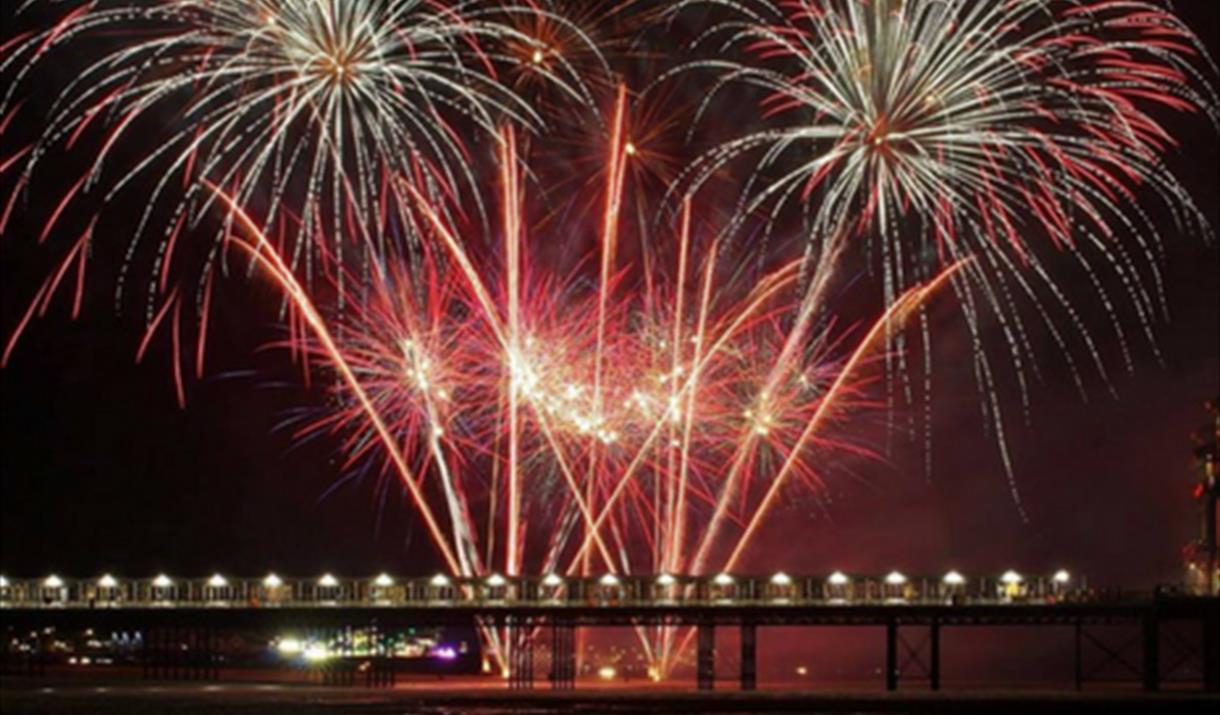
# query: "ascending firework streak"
[307,112]
[932,130]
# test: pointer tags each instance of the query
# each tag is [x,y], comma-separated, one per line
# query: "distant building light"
[53,581]
[440,580]
[723,579]
[383,580]
[954,578]
[552,580]
[273,581]
[666,580]
[495,580]
[838,578]
[218,581]
[1011,577]
[894,578]
[1062,576]
[3,582]
[781,579]
[328,581]
[162,581]
[107,581]
[607,672]
[608,580]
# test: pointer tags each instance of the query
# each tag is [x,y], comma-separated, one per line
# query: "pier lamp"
[780,586]
[608,580]
[895,586]
[838,587]
[161,585]
[328,581]
[218,581]
[272,581]
[383,580]
[1011,585]
[53,581]
[107,581]
[440,580]
[1062,577]
[664,589]
[551,583]
[953,586]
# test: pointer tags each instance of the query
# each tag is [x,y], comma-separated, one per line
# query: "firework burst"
[928,130]
[308,112]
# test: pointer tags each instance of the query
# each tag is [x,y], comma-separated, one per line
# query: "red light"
[1197,492]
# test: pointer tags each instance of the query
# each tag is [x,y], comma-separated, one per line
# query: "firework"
[651,430]
[308,112]
[931,130]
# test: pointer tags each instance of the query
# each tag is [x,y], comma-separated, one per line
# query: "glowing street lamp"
[1011,578]
[107,581]
[723,579]
[383,580]
[608,580]
[666,580]
[440,580]
[496,580]
[954,578]
[781,579]
[552,581]
[218,581]
[1061,577]
[838,578]
[272,581]
[328,581]
[894,578]
[162,581]
[53,581]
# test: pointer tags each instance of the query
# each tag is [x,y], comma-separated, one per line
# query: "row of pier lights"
[552,589]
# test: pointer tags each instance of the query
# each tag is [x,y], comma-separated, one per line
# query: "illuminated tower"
[1202,556]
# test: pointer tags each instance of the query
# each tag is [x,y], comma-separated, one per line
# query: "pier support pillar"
[891,655]
[749,656]
[705,660]
[1152,651]
[1211,650]
[934,655]
[521,660]
[563,656]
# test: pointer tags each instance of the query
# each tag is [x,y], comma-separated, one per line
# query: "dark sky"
[102,471]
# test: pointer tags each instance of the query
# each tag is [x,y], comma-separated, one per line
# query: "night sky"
[101,471]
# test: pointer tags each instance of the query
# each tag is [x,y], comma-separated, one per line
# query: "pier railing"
[328,590]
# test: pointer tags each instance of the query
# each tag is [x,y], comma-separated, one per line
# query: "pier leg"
[1079,657]
[749,659]
[521,664]
[705,661]
[563,656]
[891,655]
[934,645]
[1152,652]
[1211,650]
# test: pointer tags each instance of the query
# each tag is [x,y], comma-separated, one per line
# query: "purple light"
[444,652]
